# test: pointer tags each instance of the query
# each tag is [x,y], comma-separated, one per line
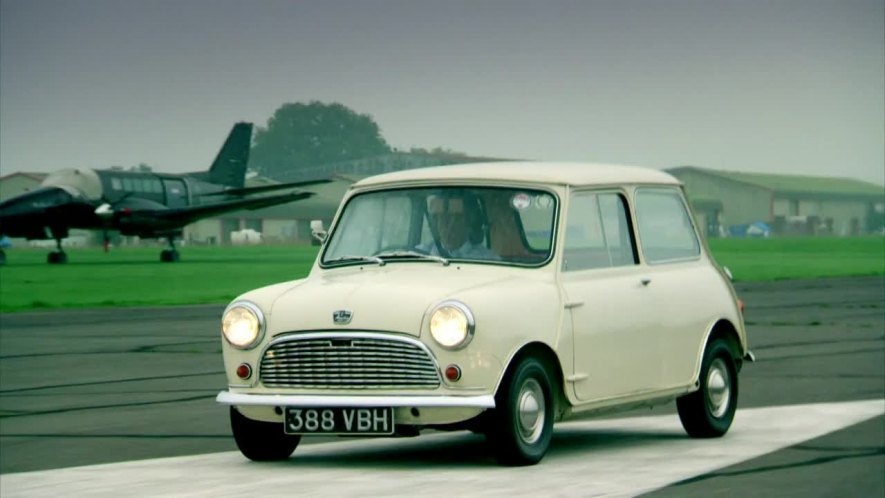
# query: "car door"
[176,192]
[682,284]
[615,352]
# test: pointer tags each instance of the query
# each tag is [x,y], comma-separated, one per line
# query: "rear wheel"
[709,411]
[261,441]
[521,424]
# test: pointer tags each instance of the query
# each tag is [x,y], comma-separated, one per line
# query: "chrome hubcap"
[530,411]
[718,388]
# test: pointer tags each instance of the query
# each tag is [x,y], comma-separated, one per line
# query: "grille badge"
[342,317]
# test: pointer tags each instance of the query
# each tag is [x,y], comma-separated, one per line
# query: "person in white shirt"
[458,225]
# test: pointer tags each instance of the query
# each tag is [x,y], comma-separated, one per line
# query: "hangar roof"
[795,184]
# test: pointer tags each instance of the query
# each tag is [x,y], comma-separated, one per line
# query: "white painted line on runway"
[614,457]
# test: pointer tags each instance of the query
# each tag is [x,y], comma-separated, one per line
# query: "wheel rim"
[718,388]
[530,411]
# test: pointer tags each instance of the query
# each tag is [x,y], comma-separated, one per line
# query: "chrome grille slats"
[348,361]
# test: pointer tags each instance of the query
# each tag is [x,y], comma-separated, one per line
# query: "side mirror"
[318,231]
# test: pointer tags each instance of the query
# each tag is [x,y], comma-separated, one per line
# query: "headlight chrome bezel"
[259,316]
[468,318]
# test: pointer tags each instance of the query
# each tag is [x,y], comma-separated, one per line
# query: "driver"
[458,224]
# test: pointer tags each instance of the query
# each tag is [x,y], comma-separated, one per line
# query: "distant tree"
[300,135]
[437,151]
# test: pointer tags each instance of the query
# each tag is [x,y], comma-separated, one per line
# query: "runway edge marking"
[618,457]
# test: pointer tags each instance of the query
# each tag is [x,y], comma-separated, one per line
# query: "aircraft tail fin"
[229,167]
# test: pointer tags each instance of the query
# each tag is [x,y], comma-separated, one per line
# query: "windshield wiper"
[413,254]
[365,259]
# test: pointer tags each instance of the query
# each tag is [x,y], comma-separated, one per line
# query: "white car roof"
[576,174]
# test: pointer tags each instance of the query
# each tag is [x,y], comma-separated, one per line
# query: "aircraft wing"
[264,188]
[189,214]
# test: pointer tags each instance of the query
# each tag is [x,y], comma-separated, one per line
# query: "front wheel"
[521,424]
[261,441]
[709,411]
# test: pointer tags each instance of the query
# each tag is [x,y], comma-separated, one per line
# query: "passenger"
[457,222]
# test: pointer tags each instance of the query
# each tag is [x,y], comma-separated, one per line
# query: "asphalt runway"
[102,386]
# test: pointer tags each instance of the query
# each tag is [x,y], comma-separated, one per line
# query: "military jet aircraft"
[145,204]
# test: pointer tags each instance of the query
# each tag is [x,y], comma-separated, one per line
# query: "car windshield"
[489,225]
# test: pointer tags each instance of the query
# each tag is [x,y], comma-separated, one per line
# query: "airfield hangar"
[729,203]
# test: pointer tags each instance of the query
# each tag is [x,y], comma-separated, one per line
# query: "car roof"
[531,172]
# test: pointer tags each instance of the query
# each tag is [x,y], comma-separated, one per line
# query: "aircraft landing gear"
[58,257]
[170,255]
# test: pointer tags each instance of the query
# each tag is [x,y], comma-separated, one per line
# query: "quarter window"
[665,229]
[598,233]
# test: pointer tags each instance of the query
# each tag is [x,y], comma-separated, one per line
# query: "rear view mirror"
[317,230]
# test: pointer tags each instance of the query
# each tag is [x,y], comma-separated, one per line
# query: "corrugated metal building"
[728,201]
[18,183]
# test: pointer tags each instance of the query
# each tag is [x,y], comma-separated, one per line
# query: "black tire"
[517,433]
[261,441]
[57,258]
[169,256]
[709,411]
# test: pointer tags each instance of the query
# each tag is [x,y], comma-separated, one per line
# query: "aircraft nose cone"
[38,201]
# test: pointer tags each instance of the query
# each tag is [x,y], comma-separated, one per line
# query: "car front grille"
[348,361]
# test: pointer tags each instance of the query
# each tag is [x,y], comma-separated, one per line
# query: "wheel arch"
[550,359]
[724,330]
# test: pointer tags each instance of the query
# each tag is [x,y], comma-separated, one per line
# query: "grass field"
[135,277]
[779,259]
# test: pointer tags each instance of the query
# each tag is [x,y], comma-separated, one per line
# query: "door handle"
[645,281]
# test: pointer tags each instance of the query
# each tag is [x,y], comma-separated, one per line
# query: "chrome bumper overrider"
[481,401]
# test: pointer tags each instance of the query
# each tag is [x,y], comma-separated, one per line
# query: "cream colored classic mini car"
[496,297]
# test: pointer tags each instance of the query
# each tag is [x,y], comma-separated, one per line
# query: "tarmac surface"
[117,385]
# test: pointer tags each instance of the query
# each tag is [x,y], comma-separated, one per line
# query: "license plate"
[339,420]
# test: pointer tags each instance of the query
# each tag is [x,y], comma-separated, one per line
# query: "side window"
[156,186]
[598,233]
[665,227]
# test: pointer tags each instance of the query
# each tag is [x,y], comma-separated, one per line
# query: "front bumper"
[485,401]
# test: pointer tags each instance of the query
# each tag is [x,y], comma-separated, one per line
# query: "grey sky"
[773,86]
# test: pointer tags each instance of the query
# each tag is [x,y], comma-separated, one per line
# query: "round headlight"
[451,325]
[242,325]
